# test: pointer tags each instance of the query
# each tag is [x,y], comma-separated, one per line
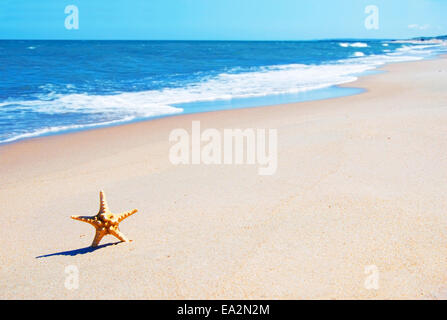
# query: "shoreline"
[114,123]
[360,184]
[135,121]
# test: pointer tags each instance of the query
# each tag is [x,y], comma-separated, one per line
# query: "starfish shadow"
[78,251]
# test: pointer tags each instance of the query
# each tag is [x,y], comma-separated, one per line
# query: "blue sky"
[221,19]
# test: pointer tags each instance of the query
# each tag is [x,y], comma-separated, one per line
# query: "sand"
[356,210]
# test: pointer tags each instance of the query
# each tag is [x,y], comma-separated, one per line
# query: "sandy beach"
[360,189]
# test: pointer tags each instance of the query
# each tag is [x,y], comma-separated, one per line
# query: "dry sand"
[361,181]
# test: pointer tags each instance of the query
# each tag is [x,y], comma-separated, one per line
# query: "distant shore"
[358,199]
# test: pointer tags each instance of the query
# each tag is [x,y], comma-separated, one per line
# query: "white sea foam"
[353,45]
[272,80]
[56,129]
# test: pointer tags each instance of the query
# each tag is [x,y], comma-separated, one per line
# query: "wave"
[57,129]
[134,104]
[353,45]
[263,81]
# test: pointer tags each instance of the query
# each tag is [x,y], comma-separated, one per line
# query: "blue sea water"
[48,87]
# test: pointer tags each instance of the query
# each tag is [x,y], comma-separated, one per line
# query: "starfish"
[106,222]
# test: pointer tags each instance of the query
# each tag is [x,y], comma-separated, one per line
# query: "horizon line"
[220,40]
[233,40]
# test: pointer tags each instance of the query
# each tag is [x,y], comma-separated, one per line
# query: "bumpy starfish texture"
[106,222]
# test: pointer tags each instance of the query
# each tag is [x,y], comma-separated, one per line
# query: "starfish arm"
[98,236]
[124,215]
[90,220]
[103,207]
[119,235]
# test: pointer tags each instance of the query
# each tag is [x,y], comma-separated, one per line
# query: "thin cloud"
[419,27]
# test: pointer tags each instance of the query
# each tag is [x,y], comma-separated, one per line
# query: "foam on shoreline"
[98,110]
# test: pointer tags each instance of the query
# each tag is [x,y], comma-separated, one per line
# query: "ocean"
[50,87]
